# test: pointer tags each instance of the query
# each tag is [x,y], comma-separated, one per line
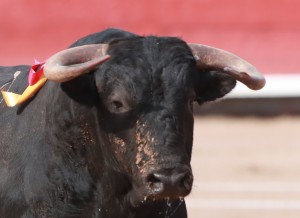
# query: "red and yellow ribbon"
[36,81]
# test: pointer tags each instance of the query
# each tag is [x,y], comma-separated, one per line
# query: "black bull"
[110,134]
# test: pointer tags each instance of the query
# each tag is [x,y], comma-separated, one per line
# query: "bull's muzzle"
[170,183]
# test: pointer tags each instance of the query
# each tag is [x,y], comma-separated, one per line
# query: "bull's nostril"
[155,184]
[182,181]
[187,182]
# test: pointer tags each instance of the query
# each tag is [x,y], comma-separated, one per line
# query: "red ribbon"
[35,73]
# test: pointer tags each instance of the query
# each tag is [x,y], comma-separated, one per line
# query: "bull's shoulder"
[104,36]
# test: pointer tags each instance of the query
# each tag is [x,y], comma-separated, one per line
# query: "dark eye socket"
[116,105]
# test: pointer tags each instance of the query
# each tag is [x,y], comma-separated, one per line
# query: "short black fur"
[108,143]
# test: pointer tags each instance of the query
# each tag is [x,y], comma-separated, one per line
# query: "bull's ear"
[212,85]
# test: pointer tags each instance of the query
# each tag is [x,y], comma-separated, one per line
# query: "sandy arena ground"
[246,167]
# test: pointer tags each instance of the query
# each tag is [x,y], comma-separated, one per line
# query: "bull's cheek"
[120,150]
[86,135]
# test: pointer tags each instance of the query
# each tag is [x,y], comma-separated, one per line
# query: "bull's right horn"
[73,62]
[209,58]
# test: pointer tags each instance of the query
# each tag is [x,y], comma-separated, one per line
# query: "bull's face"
[146,88]
[148,100]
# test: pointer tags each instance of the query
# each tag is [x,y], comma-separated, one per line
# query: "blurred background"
[247,146]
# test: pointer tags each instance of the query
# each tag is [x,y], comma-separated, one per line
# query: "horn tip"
[257,83]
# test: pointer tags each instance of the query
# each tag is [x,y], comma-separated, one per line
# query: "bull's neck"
[73,124]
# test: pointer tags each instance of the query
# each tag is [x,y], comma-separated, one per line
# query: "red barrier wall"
[265,32]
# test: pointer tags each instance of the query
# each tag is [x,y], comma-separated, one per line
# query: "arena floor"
[246,167]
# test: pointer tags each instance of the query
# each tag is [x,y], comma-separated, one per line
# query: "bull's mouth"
[136,199]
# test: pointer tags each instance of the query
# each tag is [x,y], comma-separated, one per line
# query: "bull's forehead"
[151,66]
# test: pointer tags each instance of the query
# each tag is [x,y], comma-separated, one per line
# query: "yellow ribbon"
[12,99]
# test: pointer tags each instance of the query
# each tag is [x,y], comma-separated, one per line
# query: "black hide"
[115,142]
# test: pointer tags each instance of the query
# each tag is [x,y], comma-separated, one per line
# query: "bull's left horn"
[209,58]
[71,63]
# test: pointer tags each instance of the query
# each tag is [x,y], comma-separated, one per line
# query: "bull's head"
[147,86]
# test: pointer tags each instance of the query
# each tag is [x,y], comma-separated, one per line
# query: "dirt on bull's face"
[120,142]
[120,147]
[146,155]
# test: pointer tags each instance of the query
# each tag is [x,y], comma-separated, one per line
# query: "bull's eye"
[116,105]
